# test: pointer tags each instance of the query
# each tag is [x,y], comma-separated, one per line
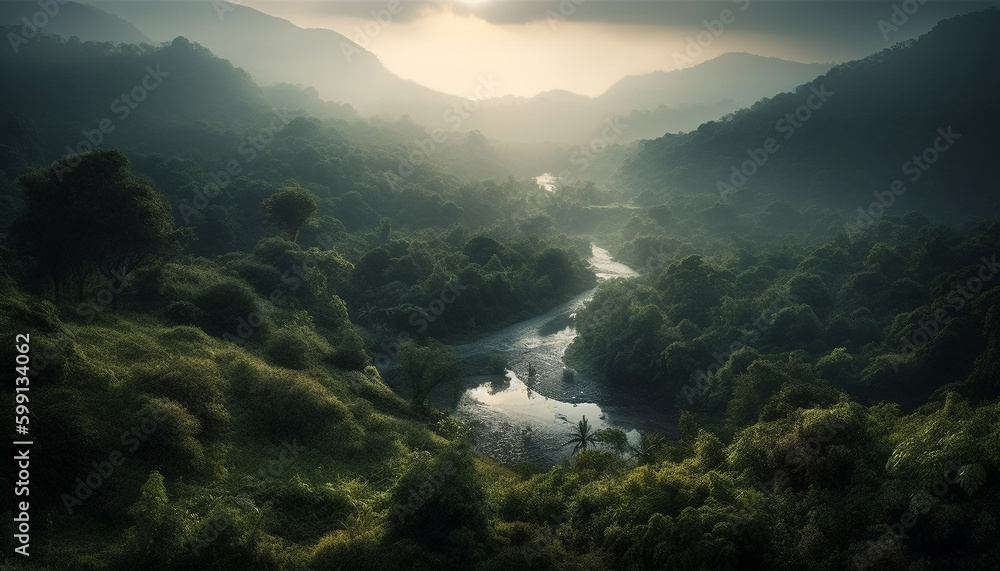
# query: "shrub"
[350,353]
[196,384]
[227,306]
[305,511]
[496,364]
[263,278]
[158,538]
[287,403]
[169,431]
[185,313]
[293,347]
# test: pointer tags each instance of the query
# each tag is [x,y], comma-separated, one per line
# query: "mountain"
[650,104]
[72,19]
[872,122]
[740,77]
[121,93]
[274,50]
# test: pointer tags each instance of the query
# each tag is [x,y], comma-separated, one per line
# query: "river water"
[522,418]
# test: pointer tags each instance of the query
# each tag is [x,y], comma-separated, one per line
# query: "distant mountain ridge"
[67,20]
[344,72]
[651,104]
[756,76]
[272,50]
[884,113]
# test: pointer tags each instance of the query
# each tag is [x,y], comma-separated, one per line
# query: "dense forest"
[238,314]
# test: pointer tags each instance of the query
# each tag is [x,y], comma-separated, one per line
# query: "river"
[526,419]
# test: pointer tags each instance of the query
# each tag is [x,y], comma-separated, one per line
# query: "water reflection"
[527,415]
[519,425]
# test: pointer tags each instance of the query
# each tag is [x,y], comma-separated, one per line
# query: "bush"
[263,278]
[496,364]
[305,511]
[196,384]
[287,403]
[169,431]
[185,313]
[350,354]
[228,306]
[159,537]
[439,501]
[293,347]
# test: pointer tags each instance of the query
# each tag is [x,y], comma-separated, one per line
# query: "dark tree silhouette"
[425,367]
[289,210]
[90,213]
[583,436]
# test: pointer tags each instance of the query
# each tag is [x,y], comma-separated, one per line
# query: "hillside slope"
[72,19]
[859,136]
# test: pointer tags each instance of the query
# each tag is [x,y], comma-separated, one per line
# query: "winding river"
[522,418]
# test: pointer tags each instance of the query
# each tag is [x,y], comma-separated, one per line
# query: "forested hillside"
[231,321]
[851,132]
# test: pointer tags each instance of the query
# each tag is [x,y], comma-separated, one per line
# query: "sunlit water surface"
[522,418]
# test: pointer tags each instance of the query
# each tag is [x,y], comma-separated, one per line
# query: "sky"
[585,46]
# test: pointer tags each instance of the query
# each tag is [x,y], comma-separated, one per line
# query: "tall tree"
[90,213]
[583,436]
[289,210]
[425,367]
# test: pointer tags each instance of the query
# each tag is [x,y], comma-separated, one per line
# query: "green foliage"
[613,438]
[171,442]
[185,313]
[289,209]
[426,367]
[229,305]
[295,347]
[582,437]
[161,528]
[439,504]
[196,384]
[286,404]
[783,468]
[92,214]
